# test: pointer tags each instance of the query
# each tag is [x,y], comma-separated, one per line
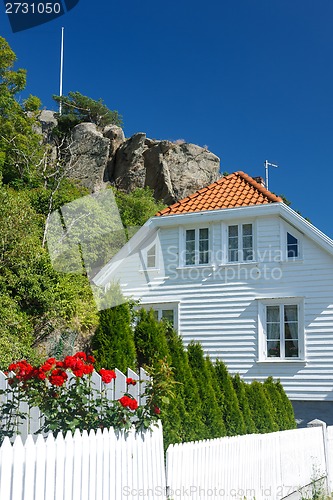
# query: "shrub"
[261,408]
[232,415]
[150,340]
[240,388]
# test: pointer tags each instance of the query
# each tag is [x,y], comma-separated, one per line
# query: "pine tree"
[232,415]
[240,388]
[187,390]
[211,413]
[289,410]
[113,343]
[261,408]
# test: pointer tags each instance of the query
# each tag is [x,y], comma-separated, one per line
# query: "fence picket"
[6,469]
[18,468]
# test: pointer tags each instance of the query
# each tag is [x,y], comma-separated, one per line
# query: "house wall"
[219,306]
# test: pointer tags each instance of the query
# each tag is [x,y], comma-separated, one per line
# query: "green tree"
[232,415]
[286,403]
[261,408]
[78,108]
[150,340]
[186,389]
[20,145]
[113,342]
[211,413]
[240,388]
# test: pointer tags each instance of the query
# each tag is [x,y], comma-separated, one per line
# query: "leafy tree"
[20,145]
[232,415]
[78,108]
[211,413]
[136,207]
[240,388]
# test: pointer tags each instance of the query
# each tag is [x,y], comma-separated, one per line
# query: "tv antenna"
[267,164]
[61,68]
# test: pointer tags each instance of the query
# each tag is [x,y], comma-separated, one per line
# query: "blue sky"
[251,79]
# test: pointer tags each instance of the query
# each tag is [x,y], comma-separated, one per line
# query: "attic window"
[197,246]
[151,256]
[240,243]
[292,246]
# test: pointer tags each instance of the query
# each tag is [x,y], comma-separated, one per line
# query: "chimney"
[260,181]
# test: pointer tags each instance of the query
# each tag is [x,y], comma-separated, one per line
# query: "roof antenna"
[267,164]
[61,68]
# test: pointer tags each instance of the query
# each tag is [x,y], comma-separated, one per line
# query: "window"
[197,246]
[292,246]
[151,256]
[240,243]
[164,311]
[282,334]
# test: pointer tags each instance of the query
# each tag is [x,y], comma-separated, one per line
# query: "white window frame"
[164,306]
[262,322]
[285,229]
[225,241]
[182,246]
[154,245]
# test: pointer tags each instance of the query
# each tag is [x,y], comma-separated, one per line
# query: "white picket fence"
[261,466]
[99,466]
[113,391]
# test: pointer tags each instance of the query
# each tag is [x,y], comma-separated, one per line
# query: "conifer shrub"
[240,389]
[261,408]
[187,390]
[289,410]
[211,413]
[113,343]
[232,414]
[150,338]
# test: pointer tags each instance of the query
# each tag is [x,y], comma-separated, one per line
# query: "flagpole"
[61,68]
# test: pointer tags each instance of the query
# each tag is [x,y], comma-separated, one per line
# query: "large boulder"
[129,169]
[174,171]
[89,155]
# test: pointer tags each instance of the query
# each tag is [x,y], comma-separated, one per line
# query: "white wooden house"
[235,268]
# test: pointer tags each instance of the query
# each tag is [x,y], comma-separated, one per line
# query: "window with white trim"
[282,329]
[168,312]
[240,242]
[196,246]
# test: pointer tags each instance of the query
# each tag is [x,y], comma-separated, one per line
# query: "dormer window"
[196,246]
[292,247]
[240,243]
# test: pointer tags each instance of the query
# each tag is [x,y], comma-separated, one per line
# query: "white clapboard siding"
[264,466]
[113,391]
[99,466]
[219,307]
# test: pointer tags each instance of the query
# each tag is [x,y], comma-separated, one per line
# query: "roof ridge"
[259,186]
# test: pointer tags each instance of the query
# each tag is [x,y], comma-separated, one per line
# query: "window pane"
[151,256]
[168,315]
[233,243]
[203,246]
[273,349]
[273,314]
[247,229]
[292,246]
[190,247]
[291,348]
[247,242]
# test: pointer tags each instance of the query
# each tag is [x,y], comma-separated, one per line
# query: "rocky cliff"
[173,170]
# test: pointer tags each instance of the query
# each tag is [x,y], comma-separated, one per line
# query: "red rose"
[69,362]
[58,377]
[107,375]
[124,401]
[88,369]
[157,410]
[91,359]
[81,355]
[131,403]
[130,381]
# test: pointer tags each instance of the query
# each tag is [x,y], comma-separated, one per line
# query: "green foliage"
[113,342]
[289,417]
[20,145]
[137,207]
[261,408]
[211,413]
[150,340]
[78,108]
[232,415]
[243,403]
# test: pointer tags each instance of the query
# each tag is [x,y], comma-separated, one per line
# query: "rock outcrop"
[173,170]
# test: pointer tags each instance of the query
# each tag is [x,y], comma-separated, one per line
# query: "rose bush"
[67,399]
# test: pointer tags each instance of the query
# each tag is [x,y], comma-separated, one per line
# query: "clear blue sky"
[251,79]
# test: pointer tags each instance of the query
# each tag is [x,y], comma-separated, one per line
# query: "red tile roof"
[234,190]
